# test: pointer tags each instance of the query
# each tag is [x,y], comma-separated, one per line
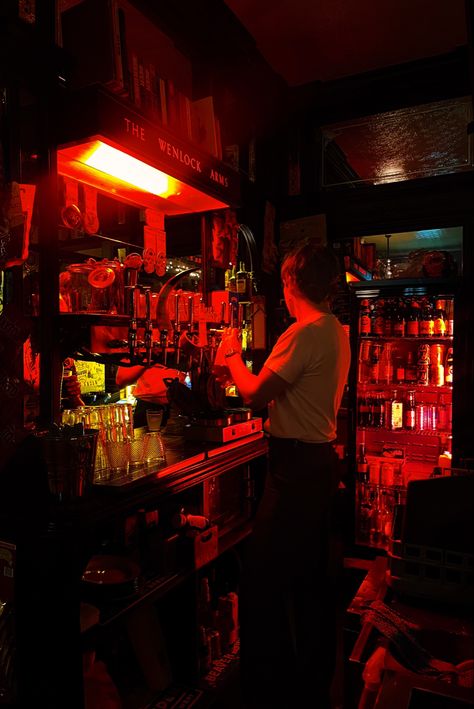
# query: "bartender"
[150,390]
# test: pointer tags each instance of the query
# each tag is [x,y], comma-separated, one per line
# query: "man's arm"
[128,375]
[256,390]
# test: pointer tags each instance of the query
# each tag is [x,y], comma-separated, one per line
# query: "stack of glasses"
[119,447]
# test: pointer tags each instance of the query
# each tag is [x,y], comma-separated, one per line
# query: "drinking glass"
[138,452]
[154,449]
[153,419]
[118,455]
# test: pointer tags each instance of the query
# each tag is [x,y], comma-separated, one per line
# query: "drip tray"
[197,431]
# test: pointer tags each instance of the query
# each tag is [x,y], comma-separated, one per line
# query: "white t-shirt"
[313,356]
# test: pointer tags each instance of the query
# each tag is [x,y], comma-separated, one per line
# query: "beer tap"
[164,345]
[223,313]
[176,327]
[134,294]
[148,326]
[233,315]
[190,314]
[240,315]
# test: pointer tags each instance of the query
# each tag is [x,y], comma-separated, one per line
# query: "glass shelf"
[405,431]
[430,389]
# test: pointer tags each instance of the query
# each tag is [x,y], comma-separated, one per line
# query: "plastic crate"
[430,572]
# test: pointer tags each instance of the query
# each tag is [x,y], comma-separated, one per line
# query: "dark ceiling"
[322,40]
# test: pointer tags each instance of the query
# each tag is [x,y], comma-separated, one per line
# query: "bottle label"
[422,374]
[439,327]
[413,328]
[396,415]
[365,324]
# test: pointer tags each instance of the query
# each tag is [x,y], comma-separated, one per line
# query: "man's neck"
[306,310]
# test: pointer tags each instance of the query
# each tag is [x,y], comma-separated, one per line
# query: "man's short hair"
[313,268]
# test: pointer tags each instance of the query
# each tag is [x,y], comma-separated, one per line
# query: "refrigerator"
[401,388]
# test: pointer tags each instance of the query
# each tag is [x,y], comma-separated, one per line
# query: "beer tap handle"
[148,326]
[190,313]
[164,344]
[233,312]
[240,315]
[223,313]
[176,310]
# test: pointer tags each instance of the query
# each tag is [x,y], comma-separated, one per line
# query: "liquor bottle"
[400,371]
[233,280]
[427,321]
[363,411]
[378,417]
[385,518]
[410,369]
[388,319]
[385,365]
[409,413]
[413,320]
[365,511]
[396,412]
[242,282]
[364,362]
[448,367]
[440,324]
[362,465]
[375,515]
[364,318]
[398,326]
[450,317]
[442,414]
[377,325]
[375,363]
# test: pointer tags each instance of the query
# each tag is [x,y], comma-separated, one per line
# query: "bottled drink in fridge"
[448,367]
[362,465]
[409,414]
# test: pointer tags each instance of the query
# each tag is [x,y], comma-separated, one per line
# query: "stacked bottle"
[406,317]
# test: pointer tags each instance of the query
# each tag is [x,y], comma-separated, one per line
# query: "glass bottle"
[365,511]
[388,319]
[450,317]
[377,327]
[400,370]
[364,319]
[398,326]
[440,324]
[413,320]
[427,321]
[385,364]
[448,367]
[396,412]
[242,281]
[362,465]
[410,369]
[375,363]
[442,414]
[409,413]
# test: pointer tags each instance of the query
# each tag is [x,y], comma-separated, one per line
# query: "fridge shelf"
[396,385]
[404,431]
[405,338]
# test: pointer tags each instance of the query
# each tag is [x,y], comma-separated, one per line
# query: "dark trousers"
[287,601]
